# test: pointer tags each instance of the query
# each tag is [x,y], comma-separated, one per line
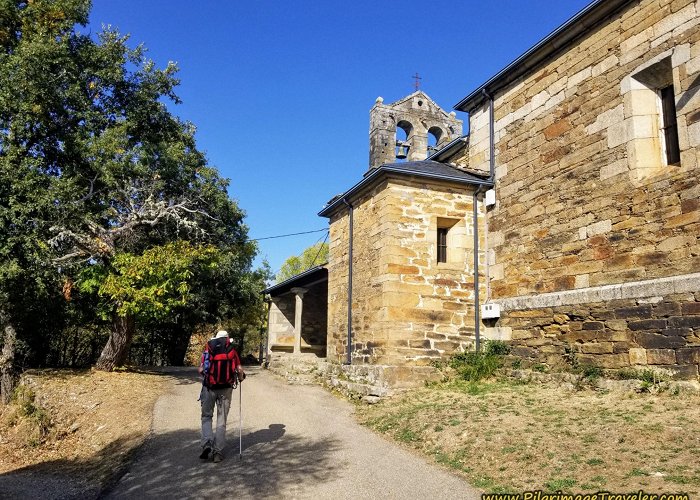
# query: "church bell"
[402,150]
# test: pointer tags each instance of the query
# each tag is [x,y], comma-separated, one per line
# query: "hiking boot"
[218,457]
[205,453]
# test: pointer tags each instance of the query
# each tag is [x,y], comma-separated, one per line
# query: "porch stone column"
[298,308]
[272,312]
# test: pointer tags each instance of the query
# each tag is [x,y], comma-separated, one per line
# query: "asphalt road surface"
[298,442]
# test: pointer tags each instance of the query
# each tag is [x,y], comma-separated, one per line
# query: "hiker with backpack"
[221,372]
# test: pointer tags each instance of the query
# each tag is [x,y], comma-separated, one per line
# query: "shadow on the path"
[186,375]
[272,464]
[180,375]
[269,435]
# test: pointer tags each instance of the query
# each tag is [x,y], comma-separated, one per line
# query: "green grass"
[455,461]
[474,366]
[591,373]
[461,423]
[484,482]
[599,480]
[595,461]
[560,484]
[407,435]
[589,438]
[694,481]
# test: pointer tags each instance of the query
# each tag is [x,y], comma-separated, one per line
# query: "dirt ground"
[514,437]
[79,424]
[503,435]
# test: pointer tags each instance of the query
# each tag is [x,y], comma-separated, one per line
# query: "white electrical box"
[490,311]
[490,197]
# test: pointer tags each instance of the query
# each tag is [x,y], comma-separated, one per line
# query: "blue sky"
[280,91]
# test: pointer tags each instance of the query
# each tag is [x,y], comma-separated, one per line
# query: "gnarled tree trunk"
[177,347]
[116,351]
[8,371]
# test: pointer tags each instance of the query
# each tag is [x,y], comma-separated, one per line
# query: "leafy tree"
[33,141]
[312,256]
[94,164]
[154,285]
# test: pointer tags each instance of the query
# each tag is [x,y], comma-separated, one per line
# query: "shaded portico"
[297,321]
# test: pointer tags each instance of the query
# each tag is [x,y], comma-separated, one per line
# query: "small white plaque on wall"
[490,311]
[490,197]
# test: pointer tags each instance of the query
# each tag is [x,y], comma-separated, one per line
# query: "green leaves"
[313,256]
[154,284]
[102,185]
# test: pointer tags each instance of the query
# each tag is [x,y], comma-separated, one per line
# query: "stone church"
[566,222]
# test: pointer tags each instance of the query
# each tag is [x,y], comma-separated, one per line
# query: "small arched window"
[434,139]
[404,134]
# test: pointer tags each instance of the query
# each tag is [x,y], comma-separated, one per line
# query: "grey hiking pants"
[222,399]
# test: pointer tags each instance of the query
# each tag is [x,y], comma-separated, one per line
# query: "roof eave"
[449,148]
[386,169]
[297,277]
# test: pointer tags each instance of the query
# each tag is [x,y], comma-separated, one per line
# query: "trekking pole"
[240,420]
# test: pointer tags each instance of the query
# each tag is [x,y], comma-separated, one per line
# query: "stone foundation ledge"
[352,380]
[376,380]
[659,287]
[571,381]
[296,369]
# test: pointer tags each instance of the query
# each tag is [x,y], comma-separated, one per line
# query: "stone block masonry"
[408,308]
[586,201]
[659,328]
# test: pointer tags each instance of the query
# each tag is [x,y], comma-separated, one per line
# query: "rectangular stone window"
[450,239]
[670,125]
[442,244]
[650,112]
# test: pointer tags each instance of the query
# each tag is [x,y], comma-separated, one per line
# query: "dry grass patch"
[510,437]
[79,423]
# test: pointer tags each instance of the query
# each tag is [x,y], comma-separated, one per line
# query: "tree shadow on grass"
[181,375]
[69,479]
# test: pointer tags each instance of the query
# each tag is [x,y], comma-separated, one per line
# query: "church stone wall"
[366,213]
[408,309]
[589,222]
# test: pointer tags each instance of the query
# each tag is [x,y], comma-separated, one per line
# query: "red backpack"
[223,361]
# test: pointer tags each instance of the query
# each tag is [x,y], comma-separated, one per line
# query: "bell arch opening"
[435,139]
[404,133]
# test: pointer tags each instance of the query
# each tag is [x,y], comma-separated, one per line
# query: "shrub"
[571,356]
[475,366]
[497,348]
[591,372]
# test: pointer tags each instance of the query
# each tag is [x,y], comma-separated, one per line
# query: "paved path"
[298,442]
